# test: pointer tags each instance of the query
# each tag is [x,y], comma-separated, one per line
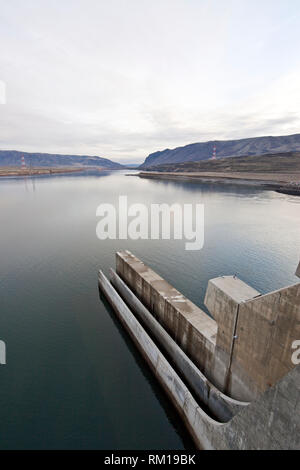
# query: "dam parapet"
[230,377]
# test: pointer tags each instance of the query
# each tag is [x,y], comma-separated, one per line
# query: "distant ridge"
[225,148]
[276,163]
[13,158]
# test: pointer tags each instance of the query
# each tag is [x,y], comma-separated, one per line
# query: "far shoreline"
[37,171]
[272,181]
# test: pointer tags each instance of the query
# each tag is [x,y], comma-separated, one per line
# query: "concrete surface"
[271,422]
[178,393]
[192,329]
[221,407]
[266,328]
[245,349]
[223,298]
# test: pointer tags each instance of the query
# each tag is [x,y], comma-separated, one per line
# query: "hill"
[287,163]
[12,158]
[226,148]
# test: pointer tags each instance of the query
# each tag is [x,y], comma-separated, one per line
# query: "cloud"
[95,77]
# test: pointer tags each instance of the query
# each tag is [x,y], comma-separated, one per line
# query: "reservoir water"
[73,379]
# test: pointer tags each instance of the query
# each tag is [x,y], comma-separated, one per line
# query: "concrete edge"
[210,395]
[195,418]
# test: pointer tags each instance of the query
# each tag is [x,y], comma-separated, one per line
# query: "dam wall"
[220,406]
[178,393]
[192,329]
[259,350]
[223,298]
[270,422]
[245,348]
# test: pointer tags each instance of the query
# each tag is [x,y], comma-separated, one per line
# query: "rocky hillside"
[225,148]
[10,158]
[282,163]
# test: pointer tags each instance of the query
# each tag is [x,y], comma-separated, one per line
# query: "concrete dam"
[230,375]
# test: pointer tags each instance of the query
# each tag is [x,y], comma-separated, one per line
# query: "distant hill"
[13,158]
[225,148]
[282,163]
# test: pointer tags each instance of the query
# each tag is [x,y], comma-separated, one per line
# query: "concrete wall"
[246,348]
[266,329]
[272,422]
[178,393]
[255,336]
[192,329]
[219,406]
[269,423]
[223,298]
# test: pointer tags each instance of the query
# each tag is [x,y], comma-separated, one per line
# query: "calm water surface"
[73,379]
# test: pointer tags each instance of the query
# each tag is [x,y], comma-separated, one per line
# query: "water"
[73,379]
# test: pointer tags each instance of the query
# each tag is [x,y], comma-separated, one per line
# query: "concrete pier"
[223,298]
[192,329]
[223,408]
[178,393]
[270,422]
[257,353]
[245,348]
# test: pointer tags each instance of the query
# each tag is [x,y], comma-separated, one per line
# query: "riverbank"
[289,189]
[13,171]
[263,180]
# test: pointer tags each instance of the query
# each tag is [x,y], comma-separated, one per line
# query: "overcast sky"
[124,78]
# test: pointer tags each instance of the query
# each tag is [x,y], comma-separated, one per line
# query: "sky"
[124,78]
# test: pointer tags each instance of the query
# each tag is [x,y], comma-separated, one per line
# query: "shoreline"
[265,181]
[13,171]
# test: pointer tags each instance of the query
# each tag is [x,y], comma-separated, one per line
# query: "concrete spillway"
[180,396]
[270,421]
[221,406]
[244,348]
